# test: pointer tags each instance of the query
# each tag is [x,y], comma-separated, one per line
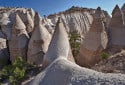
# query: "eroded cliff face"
[77,19]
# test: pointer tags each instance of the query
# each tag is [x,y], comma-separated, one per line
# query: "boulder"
[38,44]
[94,43]
[59,45]
[117,28]
[19,41]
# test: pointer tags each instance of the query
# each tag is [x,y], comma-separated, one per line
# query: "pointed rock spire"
[59,46]
[116,11]
[5,19]
[32,13]
[99,13]
[123,8]
[94,43]
[98,21]
[117,17]
[117,28]
[19,40]
[38,44]
[37,19]
[29,23]
[19,27]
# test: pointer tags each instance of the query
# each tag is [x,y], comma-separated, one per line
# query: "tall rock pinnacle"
[123,10]
[117,28]
[38,44]
[59,46]
[19,41]
[29,23]
[117,17]
[95,41]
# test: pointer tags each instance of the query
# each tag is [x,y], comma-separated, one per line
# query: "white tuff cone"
[59,45]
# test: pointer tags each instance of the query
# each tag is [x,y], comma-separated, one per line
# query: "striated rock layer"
[77,19]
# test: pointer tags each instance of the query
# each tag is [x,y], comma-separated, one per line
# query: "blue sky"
[45,7]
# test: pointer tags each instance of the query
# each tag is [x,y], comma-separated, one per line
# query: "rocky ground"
[114,64]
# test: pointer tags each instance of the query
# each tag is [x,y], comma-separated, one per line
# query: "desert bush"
[15,72]
[75,41]
[105,55]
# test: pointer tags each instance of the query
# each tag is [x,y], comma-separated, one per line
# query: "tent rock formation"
[38,44]
[95,41]
[19,41]
[59,45]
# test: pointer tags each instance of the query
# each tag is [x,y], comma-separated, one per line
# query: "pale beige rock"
[77,21]
[38,44]
[48,24]
[123,10]
[32,13]
[59,45]
[29,23]
[117,28]
[5,25]
[19,41]
[95,41]
[64,72]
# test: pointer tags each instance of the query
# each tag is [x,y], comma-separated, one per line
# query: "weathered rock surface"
[117,28]
[64,72]
[19,41]
[48,24]
[4,55]
[38,44]
[5,25]
[32,13]
[123,10]
[29,23]
[59,46]
[114,64]
[95,41]
[77,19]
